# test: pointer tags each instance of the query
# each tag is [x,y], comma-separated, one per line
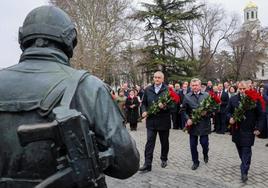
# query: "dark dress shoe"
[195,166]
[145,168]
[163,164]
[206,159]
[266,145]
[244,178]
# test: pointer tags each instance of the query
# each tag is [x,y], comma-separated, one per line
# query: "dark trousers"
[182,119]
[133,126]
[220,122]
[174,118]
[245,154]
[150,144]
[193,145]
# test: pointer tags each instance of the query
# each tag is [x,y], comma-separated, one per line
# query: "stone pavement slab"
[222,170]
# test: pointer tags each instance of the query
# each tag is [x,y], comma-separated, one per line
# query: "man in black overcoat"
[159,123]
[243,133]
[209,87]
[182,92]
[202,129]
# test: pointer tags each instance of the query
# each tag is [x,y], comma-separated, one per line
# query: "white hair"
[196,80]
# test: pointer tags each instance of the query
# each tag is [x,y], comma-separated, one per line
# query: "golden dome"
[251,5]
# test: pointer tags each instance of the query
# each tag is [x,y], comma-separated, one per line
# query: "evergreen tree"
[162,21]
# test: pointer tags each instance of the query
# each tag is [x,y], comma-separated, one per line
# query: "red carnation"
[168,98]
[255,96]
[247,103]
[215,97]
[174,96]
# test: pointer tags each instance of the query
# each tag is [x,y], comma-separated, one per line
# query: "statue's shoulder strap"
[71,87]
[62,93]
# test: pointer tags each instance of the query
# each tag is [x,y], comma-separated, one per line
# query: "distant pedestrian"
[220,118]
[209,87]
[121,101]
[232,91]
[132,108]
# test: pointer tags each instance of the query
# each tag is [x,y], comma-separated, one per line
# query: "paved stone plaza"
[222,170]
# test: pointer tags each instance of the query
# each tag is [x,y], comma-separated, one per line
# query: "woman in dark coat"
[132,107]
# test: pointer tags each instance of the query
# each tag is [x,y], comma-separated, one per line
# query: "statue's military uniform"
[31,90]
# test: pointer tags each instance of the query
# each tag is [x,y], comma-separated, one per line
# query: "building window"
[247,15]
[256,14]
[252,14]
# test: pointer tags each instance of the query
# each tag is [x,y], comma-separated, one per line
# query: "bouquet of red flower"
[170,97]
[248,102]
[208,105]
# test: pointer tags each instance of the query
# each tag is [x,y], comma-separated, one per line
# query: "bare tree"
[223,65]
[204,36]
[248,48]
[103,32]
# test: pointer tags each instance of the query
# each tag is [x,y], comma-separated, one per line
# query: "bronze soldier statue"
[59,127]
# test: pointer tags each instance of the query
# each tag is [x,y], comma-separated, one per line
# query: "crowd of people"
[134,104]
[219,122]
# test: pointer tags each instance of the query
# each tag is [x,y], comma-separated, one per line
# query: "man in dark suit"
[209,87]
[243,133]
[192,101]
[126,89]
[174,111]
[226,86]
[182,92]
[159,123]
[220,120]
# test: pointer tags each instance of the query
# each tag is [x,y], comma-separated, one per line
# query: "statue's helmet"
[48,22]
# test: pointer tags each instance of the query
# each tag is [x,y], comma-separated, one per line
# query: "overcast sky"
[13,12]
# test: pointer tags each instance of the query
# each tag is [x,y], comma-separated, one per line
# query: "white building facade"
[252,24]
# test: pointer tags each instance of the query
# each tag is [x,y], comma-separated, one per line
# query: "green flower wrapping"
[208,105]
[170,97]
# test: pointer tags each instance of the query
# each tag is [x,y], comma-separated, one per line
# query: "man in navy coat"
[202,129]
[243,134]
[159,123]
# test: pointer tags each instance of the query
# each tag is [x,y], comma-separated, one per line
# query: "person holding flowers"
[155,106]
[198,120]
[245,115]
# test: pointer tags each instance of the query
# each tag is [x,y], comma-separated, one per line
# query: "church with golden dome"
[253,26]
[251,17]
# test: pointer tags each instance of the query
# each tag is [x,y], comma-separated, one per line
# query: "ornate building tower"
[251,21]
[251,45]
[252,25]
[250,12]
